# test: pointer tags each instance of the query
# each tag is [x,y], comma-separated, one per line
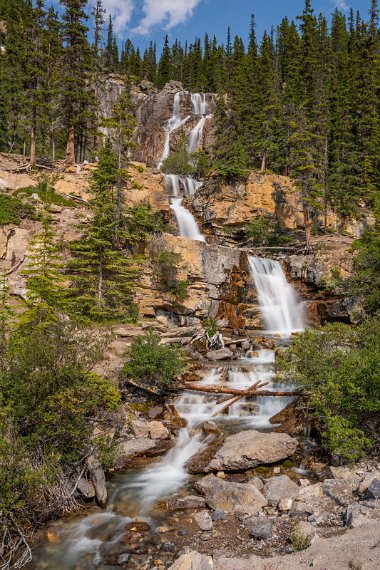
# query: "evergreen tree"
[164,65]
[102,275]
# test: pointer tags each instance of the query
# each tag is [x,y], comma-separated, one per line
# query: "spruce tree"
[103,276]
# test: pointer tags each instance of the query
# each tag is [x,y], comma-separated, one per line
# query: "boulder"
[140,429]
[189,502]
[280,487]
[86,489]
[355,515]
[221,354]
[248,449]
[133,447]
[305,530]
[339,490]
[363,486]
[310,492]
[157,430]
[210,428]
[373,491]
[231,497]
[98,480]
[193,561]
[204,521]
[260,528]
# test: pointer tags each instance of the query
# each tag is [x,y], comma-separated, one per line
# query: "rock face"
[231,497]
[248,449]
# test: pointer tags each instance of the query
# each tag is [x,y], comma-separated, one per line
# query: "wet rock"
[204,520]
[129,449]
[248,449]
[231,497]
[280,487]
[189,502]
[245,345]
[116,560]
[261,528]
[98,480]
[210,428]
[373,491]
[168,547]
[86,489]
[221,354]
[193,561]
[137,526]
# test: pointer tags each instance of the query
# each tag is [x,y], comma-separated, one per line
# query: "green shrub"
[153,363]
[142,222]
[339,367]
[299,540]
[211,326]
[179,162]
[264,231]
[46,191]
[106,450]
[13,210]
[165,270]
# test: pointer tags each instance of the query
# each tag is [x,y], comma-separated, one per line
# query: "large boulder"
[278,488]
[193,561]
[248,449]
[231,497]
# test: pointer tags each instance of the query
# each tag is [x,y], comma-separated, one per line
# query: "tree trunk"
[100,284]
[236,392]
[70,150]
[263,163]
[33,151]
[307,223]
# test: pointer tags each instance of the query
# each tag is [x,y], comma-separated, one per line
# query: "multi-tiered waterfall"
[179,186]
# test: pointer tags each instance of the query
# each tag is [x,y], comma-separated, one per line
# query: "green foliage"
[152,363]
[46,191]
[13,210]
[211,326]
[299,541]
[106,450]
[263,231]
[143,221]
[339,367]
[179,161]
[103,273]
[166,271]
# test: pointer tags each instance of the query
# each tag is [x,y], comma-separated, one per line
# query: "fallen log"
[237,392]
[255,386]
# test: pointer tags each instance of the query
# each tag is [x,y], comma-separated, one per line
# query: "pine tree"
[76,94]
[164,65]
[6,314]
[103,276]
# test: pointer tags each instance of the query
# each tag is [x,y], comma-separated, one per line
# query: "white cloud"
[341,4]
[168,13]
[121,12]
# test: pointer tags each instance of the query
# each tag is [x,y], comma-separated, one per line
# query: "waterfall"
[199,103]
[187,225]
[173,185]
[178,185]
[174,123]
[195,136]
[281,310]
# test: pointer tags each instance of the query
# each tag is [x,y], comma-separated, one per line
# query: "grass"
[47,195]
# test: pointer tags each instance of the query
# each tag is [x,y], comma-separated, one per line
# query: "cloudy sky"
[146,20]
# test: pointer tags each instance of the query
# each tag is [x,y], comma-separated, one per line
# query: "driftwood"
[237,392]
[233,400]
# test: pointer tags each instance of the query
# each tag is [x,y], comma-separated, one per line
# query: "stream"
[85,542]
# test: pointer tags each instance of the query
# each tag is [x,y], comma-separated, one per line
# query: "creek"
[85,542]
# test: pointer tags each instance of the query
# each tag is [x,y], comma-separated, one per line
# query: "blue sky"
[145,20]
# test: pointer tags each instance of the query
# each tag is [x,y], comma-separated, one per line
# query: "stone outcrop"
[246,450]
[231,497]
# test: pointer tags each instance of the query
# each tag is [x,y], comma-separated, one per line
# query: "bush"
[299,540]
[13,210]
[152,363]
[179,162]
[142,222]
[166,271]
[339,367]
[46,191]
[264,231]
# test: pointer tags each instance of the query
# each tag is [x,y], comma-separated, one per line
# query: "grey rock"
[98,480]
[193,561]
[219,515]
[119,560]
[86,488]
[231,497]
[221,354]
[373,491]
[280,487]
[133,447]
[363,486]
[248,449]
[210,428]
[261,528]
[305,529]
[168,547]
[355,515]
[257,482]
[204,520]
[310,492]
[189,502]
[339,490]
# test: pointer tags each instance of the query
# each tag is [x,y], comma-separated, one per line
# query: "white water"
[195,136]
[199,102]
[174,123]
[178,185]
[188,227]
[280,308]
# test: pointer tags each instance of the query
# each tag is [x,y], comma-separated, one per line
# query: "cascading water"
[281,310]
[177,185]
[187,225]
[195,135]
[174,123]
[199,102]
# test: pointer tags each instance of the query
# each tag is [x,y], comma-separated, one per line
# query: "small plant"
[106,448]
[179,162]
[165,269]
[153,363]
[211,326]
[263,231]
[299,540]
[45,189]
